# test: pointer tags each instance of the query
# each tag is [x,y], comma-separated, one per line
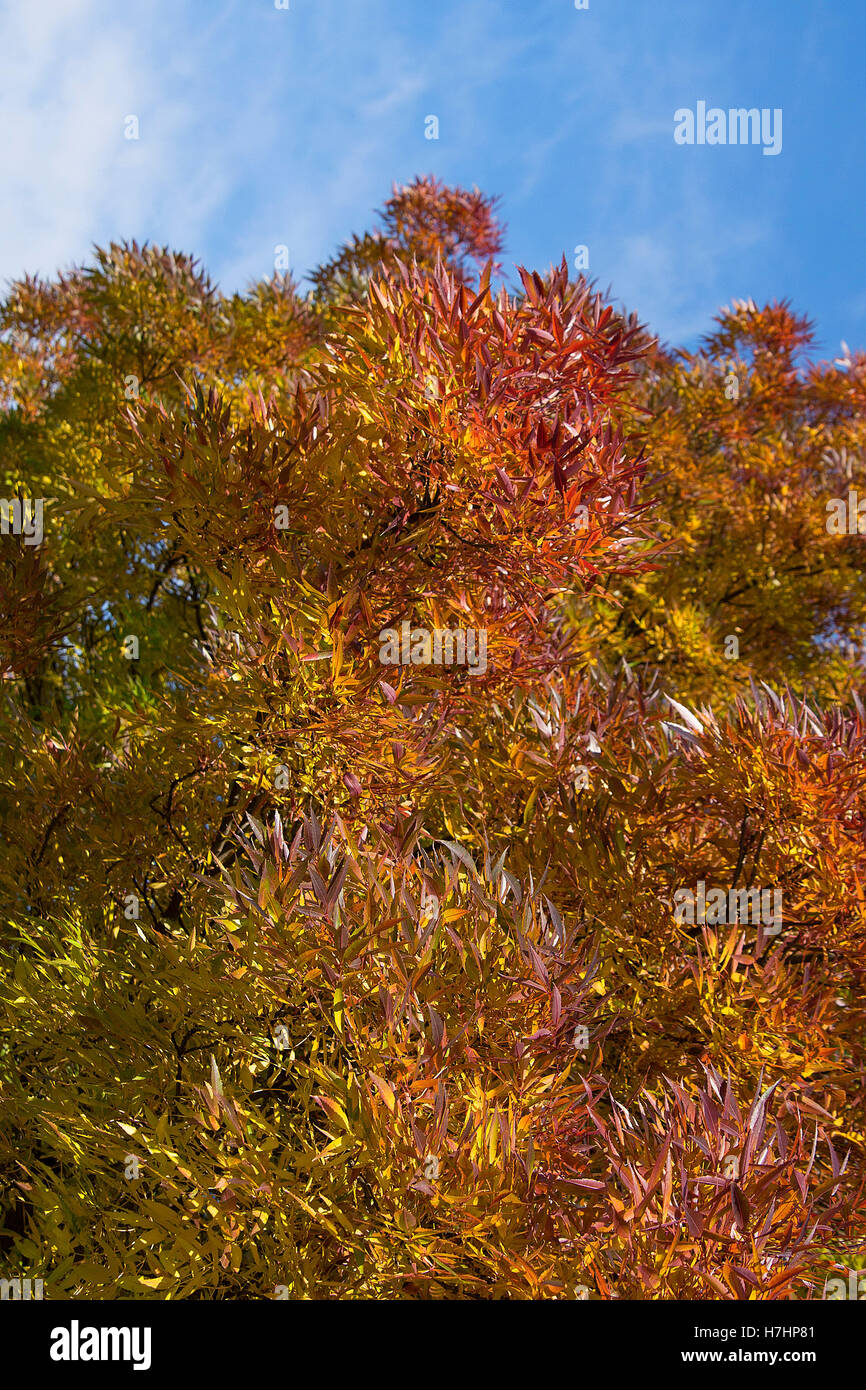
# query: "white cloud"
[71,72]
[64,90]
[404,90]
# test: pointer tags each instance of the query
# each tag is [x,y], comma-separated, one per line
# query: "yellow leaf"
[530,806]
[385,1091]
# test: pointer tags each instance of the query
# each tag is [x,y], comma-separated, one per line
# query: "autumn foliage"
[356,980]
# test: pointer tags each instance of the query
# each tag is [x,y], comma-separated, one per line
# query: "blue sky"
[261,126]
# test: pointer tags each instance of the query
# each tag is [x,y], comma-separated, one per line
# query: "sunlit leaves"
[360,976]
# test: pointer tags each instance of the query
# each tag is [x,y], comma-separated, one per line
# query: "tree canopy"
[334,974]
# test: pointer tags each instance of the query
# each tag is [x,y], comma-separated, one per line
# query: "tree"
[368,721]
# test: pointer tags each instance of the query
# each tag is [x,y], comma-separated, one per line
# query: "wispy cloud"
[71,73]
